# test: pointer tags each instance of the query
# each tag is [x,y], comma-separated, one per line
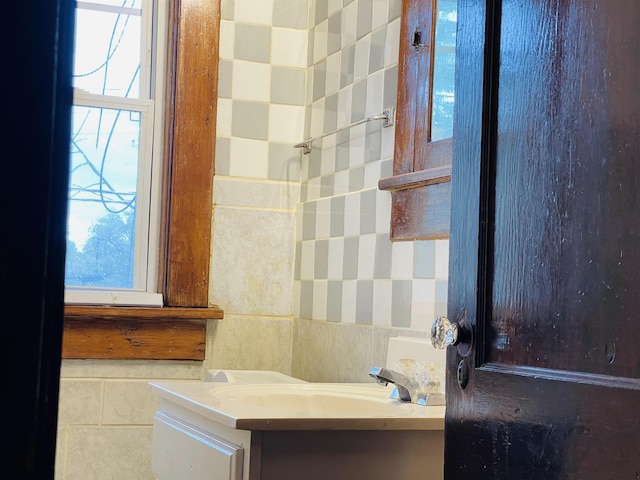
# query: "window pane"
[112,3]
[102,197]
[107,53]
[444,70]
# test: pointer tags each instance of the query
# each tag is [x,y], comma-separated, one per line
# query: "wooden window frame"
[421,183]
[177,330]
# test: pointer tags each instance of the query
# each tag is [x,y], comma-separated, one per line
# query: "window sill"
[420,204]
[136,333]
[421,192]
[421,178]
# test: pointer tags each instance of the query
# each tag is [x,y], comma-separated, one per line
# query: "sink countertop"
[311,406]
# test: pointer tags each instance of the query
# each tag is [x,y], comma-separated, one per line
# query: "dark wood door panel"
[550,429]
[545,242]
[567,163]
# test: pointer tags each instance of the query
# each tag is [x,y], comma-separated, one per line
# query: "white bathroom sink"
[308,406]
[312,400]
[249,376]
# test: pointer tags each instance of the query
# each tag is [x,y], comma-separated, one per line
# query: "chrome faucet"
[407,388]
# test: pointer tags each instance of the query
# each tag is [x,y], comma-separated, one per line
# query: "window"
[178,330]
[116,148]
[421,181]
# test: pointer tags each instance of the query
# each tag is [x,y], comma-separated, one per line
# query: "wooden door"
[545,242]
[36,46]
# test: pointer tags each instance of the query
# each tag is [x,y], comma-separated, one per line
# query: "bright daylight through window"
[115,154]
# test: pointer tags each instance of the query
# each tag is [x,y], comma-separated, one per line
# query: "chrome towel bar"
[387,121]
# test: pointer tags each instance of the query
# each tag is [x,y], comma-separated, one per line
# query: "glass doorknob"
[444,333]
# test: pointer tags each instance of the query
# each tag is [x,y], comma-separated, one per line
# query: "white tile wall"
[259,12]
[289,47]
[249,158]
[245,85]
[286,123]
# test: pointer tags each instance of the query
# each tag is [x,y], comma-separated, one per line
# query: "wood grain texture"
[415,156]
[147,313]
[545,246]
[189,156]
[133,338]
[421,212]
[416,179]
[411,85]
[101,332]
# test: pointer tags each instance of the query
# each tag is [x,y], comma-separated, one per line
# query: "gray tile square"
[225,78]
[252,42]
[315,159]
[358,100]
[365,13]
[326,185]
[336,228]
[364,302]
[442,287]
[306,299]
[321,259]
[310,44]
[342,150]
[290,13]
[307,121]
[376,52]
[401,303]
[309,221]
[424,254]
[331,113]
[386,168]
[334,301]
[382,260]
[227,9]
[368,212]
[319,80]
[321,11]
[373,142]
[356,179]
[223,155]
[287,85]
[390,87]
[250,119]
[347,65]
[297,266]
[395,9]
[335,32]
[284,162]
[350,265]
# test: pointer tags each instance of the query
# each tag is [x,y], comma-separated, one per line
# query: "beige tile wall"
[105,417]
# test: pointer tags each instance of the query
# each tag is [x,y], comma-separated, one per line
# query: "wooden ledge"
[421,178]
[158,313]
[136,333]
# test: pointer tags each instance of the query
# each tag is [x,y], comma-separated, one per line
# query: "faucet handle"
[444,333]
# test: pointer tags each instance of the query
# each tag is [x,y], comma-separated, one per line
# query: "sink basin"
[313,400]
[249,376]
[305,406]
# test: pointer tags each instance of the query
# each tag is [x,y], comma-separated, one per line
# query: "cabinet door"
[181,451]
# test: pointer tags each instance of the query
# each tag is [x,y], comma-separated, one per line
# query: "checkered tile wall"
[346,268]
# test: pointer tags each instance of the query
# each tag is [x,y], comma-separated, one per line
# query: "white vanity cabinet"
[185,452]
[194,438]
